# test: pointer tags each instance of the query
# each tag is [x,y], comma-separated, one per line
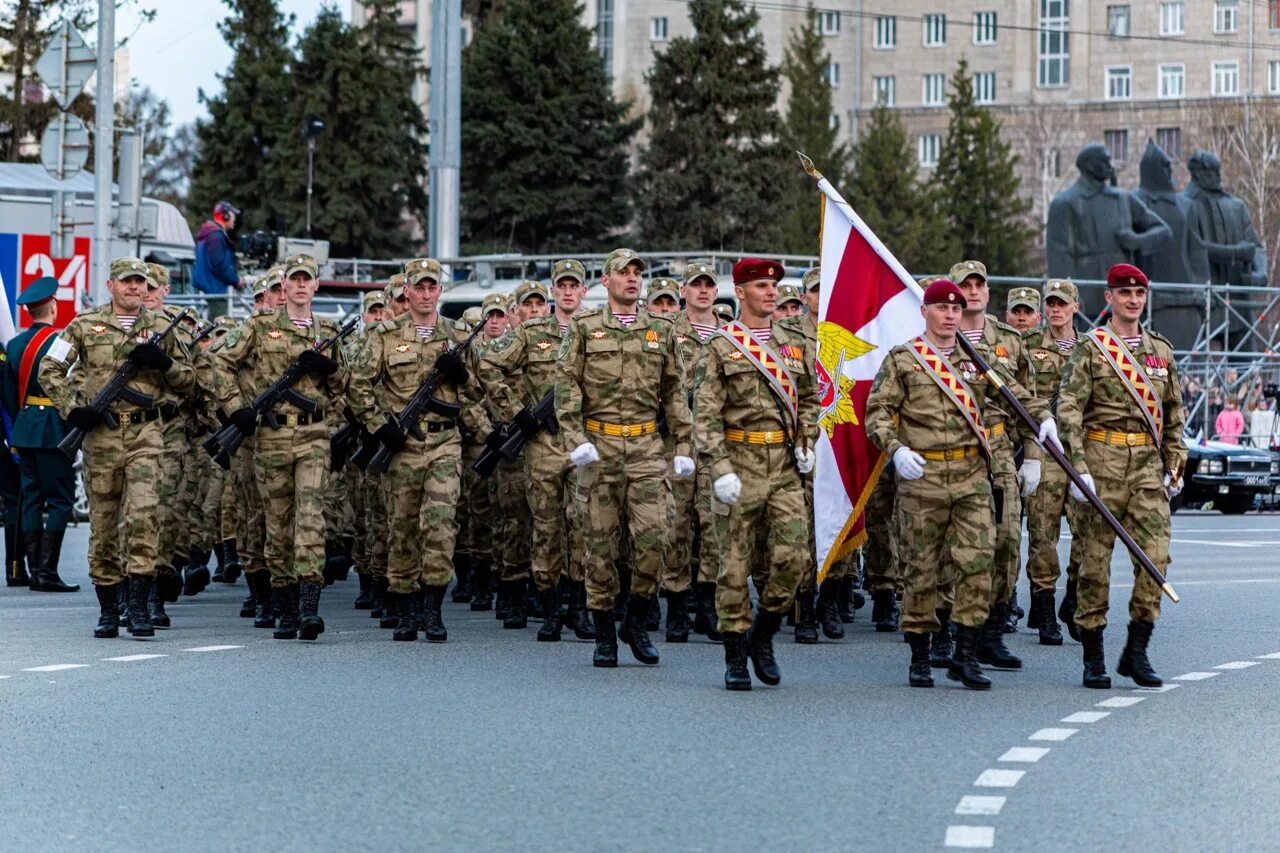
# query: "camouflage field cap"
[159,275]
[260,285]
[226,322]
[723,311]
[493,302]
[395,286]
[301,263]
[1027,296]
[964,269]
[699,269]
[471,316]
[812,278]
[568,268]
[420,268]
[1060,288]
[372,298]
[619,258]
[663,287]
[122,268]
[789,293]
[531,288]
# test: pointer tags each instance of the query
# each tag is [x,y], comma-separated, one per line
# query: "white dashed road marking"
[130,658]
[999,778]
[212,648]
[972,837]
[1053,734]
[1085,717]
[973,804]
[56,667]
[1195,676]
[1120,702]
[1163,688]
[1025,754]
[1272,656]
[1237,664]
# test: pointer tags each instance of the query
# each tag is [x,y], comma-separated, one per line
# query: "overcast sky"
[181,52]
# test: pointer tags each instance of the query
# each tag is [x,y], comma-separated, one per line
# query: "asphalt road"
[495,741]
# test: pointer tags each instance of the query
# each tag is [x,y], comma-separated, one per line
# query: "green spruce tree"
[710,174]
[544,142]
[978,185]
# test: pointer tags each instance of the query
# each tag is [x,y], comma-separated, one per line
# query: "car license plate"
[1257,480]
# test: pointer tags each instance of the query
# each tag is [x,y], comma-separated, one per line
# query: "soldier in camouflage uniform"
[122,463]
[937,442]
[1022,310]
[618,366]
[1132,456]
[424,478]
[371,510]
[755,425]
[292,461]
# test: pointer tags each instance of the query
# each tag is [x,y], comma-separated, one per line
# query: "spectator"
[1229,425]
[215,270]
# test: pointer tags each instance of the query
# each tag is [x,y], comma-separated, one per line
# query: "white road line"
[1025,754]
[1120,702]
[1163,688]
[1272,656]
[6,676]
[996,778]
[56,667]
[1237,664]
[1085,717]
[972,804]
[1053,734]
[130,658]
[212,648]
[1217,543]
[972,837]
[1195,676]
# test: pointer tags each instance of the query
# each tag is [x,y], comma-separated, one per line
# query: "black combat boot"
[653,621]
[15,570]
[502,601]
[311,625]
[1042,606]
[1067,611]
[169,581]
[806,618]
[552,622]
[829,608]
[332,559]
[736,676]
[532,601]
[432,622]
[1095,663]
[108,625]
[139,616]
[624,592]
[606,653]
[992,650]
[220,563]
[402,606]
[462,584]
[1033,613]
[348,557]
[964,663]
[706,593]
[233,567]
[886,603]
[286,603]
[481,595]
[845,604]
[364,601]
[264,610]
[46,578]
[760,646]
[577,616]
[386,619]
[919,675]
[122,601]
[195,576]
[1133,660]
[517,616]
[156,604]
[942,646]
[634,633]
[1012,614]
[249,606]
[376,598]
[31,542]
[678,617]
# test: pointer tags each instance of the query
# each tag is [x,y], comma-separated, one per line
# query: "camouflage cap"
[1061,288]
[372,298]
[1027,296]
[812,278]
[619,258]
[260,286]
[420,268]
[568,268]
[301,263]
[493,302]
[226,322]
[964,269]
[159,275]
[723,311]
[699,269]
[472,315]
[531,288]
[122,268]
[789,293]
[395,286]
[663,287]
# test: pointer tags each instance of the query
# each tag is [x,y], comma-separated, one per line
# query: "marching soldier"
[1121,411]
[618,365]
[1023,309]
[790,302]
[755,426]
[122,462]
[371,509]
[662,296]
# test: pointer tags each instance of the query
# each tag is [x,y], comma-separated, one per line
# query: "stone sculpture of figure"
[1092,226]
[1236,255]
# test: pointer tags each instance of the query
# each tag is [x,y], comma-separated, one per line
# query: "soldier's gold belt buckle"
[1131,438]
[626,430]
[768,437]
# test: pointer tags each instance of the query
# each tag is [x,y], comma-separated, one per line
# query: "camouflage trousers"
[198,473]
[174,448]
[1045,508]
[377,529]
[474,518]
[250,522]
[705,546]
[227,508]
[1007,559]
[509,499]
[546,467]
[121,469]
[624,491]
[207,524]
[422,484]
[679,565]
[292,465]
[769,514]
[946,538]
[881,550]
[1129,482]
[339,508]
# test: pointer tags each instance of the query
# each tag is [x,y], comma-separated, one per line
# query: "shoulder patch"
[385,326]
[1005,327]
[233,337]
[500,344]
[1160,337]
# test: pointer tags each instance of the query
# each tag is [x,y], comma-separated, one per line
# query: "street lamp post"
[312,126]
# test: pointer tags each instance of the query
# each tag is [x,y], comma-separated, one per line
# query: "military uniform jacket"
[1001,345]
[519,368]
[621,375]
[1047,362]
[266,344]
[1094,397]
[34,425]
[98,343]
[731,393]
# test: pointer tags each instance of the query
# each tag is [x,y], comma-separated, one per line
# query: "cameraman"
[215,271]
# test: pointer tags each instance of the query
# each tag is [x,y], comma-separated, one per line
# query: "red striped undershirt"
[704,330]
[625,319]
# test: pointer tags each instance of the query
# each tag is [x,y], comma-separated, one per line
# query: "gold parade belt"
[1119,439]
[993,431]
[38,401]
[741,436]
[949,455]
[621,430]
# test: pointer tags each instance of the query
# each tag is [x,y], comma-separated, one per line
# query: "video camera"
[1271,391]
[259,247]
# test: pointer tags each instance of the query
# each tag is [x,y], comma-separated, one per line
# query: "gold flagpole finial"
[809,167]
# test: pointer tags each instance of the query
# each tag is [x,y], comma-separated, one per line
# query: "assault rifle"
[537,416]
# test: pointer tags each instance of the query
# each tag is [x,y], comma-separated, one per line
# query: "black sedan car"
[1229,476]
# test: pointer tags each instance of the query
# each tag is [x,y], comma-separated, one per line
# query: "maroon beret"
[943,291]
[1126,275]
[754,269]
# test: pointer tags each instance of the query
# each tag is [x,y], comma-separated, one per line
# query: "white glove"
[910,464]
[683,467]
[805,460]
[1029,476]
[727,488]
[1172,487]
[584,454]
[1049,432]
[1079,495]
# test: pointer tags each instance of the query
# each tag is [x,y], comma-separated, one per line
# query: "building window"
[1226,16]
[1117,142]
[1171,16]
[1273,14]
[984,28]
[1119,83]
[935,30]
[930,146]
[1118,21]
[1273,76]
[658,29]
[833,75]
[829,23]
[935,90]
[1055,55]
[885,89]
[886,32]
[1051,163]
[1226,78]
[1173,81]
[604,34]
[1170,140]
[984,87]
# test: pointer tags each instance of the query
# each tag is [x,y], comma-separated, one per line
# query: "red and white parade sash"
[770,366]
[957,391]
[1132,377]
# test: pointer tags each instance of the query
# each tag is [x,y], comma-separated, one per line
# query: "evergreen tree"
[809,129]
[544,142]
[979,188]
[887,193]
[710,174]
